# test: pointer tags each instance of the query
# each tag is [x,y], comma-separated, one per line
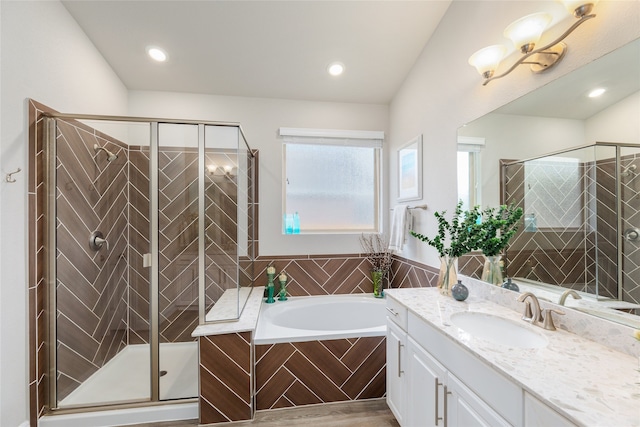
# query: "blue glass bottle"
[296,223]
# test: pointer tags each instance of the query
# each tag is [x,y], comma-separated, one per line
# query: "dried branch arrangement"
[376,249]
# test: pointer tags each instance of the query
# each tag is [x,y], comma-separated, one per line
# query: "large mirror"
[544,126]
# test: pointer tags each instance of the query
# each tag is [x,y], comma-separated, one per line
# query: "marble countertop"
[589,383]
[221,310]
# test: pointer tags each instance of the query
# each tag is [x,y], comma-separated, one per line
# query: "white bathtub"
[321,318]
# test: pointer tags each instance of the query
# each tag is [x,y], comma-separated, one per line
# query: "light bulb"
[157,54]
[335,69]
[487,59]
[579,8]
[526,31]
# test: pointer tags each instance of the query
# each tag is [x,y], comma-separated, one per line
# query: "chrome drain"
[163,373]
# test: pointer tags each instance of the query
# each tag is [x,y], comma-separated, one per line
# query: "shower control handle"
[632,234]
[97,240]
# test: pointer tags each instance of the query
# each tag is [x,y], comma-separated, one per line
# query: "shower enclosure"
[581,220]
[149,225]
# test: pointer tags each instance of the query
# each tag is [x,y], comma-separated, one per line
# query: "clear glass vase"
[448,275]
[492,270]
[378,286]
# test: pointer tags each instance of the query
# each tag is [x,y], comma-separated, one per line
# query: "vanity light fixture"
[157,54]
[525,33]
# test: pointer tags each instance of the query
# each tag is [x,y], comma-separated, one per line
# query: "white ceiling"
[271,49]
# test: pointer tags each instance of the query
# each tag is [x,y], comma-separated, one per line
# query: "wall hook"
[10,178]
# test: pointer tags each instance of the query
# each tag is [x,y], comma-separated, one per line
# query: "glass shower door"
[178,221]
[630,225]
[100,332]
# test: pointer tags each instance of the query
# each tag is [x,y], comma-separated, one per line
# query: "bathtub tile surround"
[341,273]
[225,377]
[226,363]
[587,382]
[312,372]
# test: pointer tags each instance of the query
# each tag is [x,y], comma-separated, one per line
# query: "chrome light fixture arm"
[543,49]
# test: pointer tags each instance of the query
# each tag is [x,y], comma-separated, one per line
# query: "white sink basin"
[498,330]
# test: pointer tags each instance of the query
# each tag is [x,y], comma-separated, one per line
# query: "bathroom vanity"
[497,369]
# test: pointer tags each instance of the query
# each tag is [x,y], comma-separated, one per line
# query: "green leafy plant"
[496,229]
[461,233]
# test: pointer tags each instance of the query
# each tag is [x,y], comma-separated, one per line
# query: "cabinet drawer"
[397,313]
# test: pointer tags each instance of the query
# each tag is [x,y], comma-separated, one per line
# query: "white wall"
[443,92]
[618,123]
[260,119]
[45,56]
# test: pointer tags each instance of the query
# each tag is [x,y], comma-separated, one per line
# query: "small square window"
[331,188]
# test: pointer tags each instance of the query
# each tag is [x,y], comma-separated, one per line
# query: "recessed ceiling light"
[335,68]
[596,92]
[157,54]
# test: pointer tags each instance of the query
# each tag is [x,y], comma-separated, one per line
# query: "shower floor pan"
[126,377]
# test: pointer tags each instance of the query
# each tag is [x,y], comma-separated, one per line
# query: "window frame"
[473,146]
[346,138]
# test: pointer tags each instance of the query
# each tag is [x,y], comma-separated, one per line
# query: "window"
[469,171]
[331,181]
[553,193]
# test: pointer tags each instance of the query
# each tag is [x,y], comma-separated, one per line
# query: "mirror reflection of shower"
[111,156]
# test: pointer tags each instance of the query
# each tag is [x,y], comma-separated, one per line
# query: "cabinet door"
[396,388]
[425,388]
[465,408]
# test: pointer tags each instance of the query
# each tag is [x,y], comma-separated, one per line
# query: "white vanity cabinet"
[431,381]
[396,359]
[426,388]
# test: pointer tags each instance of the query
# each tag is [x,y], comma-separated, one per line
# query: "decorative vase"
[459,291]
[378,288]
[492,270]
[270,288]
[448,275]
[512,286]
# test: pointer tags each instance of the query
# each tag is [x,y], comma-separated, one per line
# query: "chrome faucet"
[566,293]
[530,316]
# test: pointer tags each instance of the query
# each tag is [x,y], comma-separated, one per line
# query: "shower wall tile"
[575,257]
[38,367]
[104,296]
[92,320]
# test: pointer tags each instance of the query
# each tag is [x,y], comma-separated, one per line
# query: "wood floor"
[366,413]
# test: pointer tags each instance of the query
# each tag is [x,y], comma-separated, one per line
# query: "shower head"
[111,157]
[629,170]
